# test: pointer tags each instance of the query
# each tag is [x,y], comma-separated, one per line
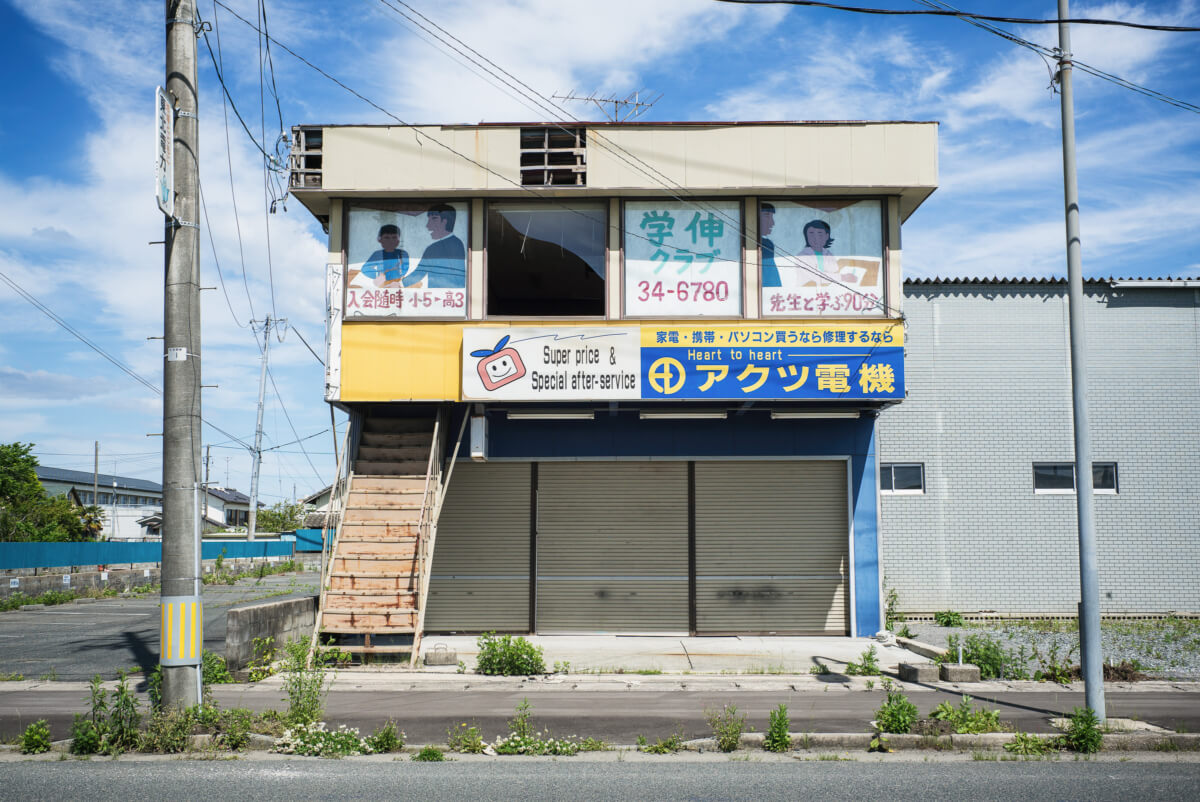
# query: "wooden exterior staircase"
[377,575]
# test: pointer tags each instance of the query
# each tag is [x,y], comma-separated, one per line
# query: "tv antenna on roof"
[622,109]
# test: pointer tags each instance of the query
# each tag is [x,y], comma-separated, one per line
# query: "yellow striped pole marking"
[182,637]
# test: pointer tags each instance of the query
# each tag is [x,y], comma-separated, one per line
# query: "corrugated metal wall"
[480,578]
[612,540]
[772,547]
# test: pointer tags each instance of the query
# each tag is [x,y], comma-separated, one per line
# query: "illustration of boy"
[388,264]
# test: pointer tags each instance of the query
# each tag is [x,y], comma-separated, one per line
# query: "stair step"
[376,549]
[370,592]
[386,515]
[412,469]
[368,575]
[373,483]
[400,454]
[385,501]
[358,564]
[399,425]
[371,611]
[359,649]
[357,530]
[397,440]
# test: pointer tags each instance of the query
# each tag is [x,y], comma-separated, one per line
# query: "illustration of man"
[390,262]
[766,224]
[444,263]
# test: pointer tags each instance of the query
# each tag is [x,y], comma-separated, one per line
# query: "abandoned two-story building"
[648,358]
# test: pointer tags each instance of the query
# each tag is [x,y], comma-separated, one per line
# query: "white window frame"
[893,492]
[1062,491]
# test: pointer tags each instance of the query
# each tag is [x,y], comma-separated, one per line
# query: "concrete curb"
[924,649]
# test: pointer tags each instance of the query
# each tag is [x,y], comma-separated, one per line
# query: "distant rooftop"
[105,480]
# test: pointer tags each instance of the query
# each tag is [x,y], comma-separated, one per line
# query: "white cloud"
[550,46]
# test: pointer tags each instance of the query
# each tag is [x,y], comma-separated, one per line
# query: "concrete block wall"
[987,370]
[287,620]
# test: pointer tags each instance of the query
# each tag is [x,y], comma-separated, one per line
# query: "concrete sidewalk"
[734,654]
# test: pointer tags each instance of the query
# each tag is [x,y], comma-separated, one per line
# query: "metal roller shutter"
[612,543]
[772,547]
[480,577]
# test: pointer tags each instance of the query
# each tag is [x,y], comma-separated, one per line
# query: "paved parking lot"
[77,641]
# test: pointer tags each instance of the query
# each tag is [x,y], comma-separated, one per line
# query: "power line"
[1048,52]
[966,15]
[48,312]
[299,439]
[309,347]
[216,261]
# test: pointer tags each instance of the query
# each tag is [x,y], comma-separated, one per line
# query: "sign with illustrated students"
[407,259]
[821,257]
[683,259]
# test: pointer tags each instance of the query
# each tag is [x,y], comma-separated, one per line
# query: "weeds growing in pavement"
[1030,745]
[778,738]
[1083,732]
[462,738]
[897,714]
[305,686]
[967,719]
[727,726]
[36,738]
[214,668]
[663,746]
[868,665]
[386,739]
[508,655]
[429,754]
[948,618]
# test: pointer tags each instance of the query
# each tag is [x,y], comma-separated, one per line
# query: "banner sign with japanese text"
[407,259]
[683,259]
[728,362]
[821,257]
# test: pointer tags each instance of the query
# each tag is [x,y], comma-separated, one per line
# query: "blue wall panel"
[52,555]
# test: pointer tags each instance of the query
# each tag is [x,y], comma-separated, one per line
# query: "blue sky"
[76,160]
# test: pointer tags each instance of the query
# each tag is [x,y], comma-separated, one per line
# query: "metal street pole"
[181,372]
[262,388]
[1089,580]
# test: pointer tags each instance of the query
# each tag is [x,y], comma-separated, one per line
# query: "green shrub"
[727,726]
[36,738]
[966,719]
[591,744]
[386,739]
[1083,733]
[429,754]
[508,655]
[948,618]
[465,739]
[153,687]
[261,665]
[897,714]
[214,669]
[85,738]
[778,738]
[869,667]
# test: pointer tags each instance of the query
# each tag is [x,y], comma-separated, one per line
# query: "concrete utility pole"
[1089,579]
[181,368]
[262,389]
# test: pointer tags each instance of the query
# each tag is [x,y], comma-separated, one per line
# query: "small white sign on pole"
[164,167]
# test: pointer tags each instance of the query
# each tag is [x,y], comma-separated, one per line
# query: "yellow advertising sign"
[425,362]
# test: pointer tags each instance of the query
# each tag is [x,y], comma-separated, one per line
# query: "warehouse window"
[902,477]
[546,259]
[1059,477]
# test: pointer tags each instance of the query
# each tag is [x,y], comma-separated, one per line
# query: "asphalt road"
[78,641]
[580,779]
[615,716]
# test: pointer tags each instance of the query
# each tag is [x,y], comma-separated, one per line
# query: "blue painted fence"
[49,555]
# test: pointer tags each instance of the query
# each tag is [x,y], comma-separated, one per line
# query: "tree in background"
[26,512]
[282,517]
